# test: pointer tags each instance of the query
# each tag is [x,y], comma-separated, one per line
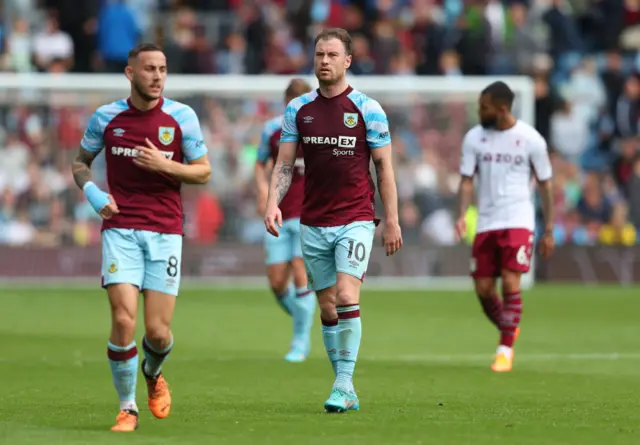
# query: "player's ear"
[347,61]
[128,71]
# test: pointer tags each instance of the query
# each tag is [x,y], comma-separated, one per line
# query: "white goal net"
[51,234]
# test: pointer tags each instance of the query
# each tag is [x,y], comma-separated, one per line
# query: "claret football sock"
[123,361]
[510,319]
[330,340]
[154,358]
[492,308]
[349,334]
[287,299]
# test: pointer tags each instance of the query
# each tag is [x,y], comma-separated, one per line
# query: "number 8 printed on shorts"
[172,268]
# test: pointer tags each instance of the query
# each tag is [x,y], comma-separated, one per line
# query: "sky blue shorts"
[329,250]
[148,260]
[285,247]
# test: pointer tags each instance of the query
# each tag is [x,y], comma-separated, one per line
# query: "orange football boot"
[502,363]
[159,396]
[126,422]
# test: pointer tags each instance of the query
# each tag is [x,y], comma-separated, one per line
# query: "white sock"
[128,405]
[506,350]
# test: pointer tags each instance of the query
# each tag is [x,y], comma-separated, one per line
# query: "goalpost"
[426,114]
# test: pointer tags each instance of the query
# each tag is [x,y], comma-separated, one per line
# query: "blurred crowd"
[582,55]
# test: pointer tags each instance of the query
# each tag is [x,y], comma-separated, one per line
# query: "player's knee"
[124,323]
[510,281]
[346,296]
[278,281]
[328,309]
[157,332]
[279,287]
[485,288]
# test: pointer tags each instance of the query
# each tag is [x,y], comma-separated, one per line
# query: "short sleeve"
[377,125]
[539,156]
[264,149]
[468,161]
[193,146]
[289,126]
[93,139]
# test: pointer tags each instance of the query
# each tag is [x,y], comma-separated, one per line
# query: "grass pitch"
[423,375]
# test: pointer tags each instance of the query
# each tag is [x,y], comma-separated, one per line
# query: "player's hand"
[547,244]
[461,228]
[273,219]
[110,209]
[391,238]
[150,158]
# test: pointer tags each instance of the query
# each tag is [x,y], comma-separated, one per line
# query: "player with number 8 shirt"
[152,145]
[341,131]
[504,154]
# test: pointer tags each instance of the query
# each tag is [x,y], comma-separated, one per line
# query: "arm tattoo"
[546,192]
[283,173]
[81,167]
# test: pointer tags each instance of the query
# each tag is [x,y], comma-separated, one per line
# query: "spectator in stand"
[52,45]
[118,32]
[582,52]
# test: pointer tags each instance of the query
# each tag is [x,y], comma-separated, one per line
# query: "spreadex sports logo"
[132,152]
[346,142]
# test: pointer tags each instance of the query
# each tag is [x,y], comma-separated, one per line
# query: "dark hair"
[336,33]
[297,87]
[143,48]
[500,94]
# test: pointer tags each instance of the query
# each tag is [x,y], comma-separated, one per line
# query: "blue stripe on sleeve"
[193,146]
[289,126]
[375,118]
[269,128]
[93,139]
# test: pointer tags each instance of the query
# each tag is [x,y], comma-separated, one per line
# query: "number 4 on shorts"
[522,256]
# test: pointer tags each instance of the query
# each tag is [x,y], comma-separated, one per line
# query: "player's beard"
[337,78]
[143,94]
[489,123]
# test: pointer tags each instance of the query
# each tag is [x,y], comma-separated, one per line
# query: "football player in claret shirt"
[284,253]
[341,130]
[152,145]
[504,153]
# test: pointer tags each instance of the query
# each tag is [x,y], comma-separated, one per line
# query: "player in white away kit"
[505,154]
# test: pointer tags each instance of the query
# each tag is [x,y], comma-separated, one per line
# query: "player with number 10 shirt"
[341,130]
[152,145]
[504,153]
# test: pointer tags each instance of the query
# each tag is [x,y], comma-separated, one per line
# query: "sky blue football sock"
[123,361]
[349,334]
[330,340]
[287,299]
[303,314]
[154,358]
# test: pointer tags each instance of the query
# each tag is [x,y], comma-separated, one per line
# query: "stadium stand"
[582,55]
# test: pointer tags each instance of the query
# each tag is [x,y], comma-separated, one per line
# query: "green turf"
[423,376]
